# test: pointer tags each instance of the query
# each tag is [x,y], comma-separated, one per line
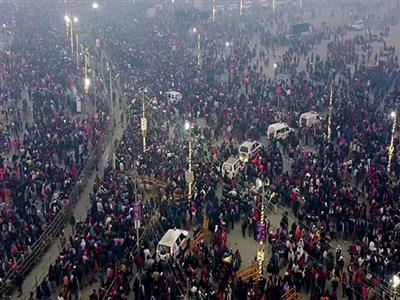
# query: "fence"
[36,251]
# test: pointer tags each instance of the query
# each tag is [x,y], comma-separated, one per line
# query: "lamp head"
[259,183]
[187,125]
[95,5]
[396,281]
[87,83]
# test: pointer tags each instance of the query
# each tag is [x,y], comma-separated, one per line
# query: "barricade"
[202,235]
[291,295]
[248,272]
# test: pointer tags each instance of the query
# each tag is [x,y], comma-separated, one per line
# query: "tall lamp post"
[95,6]
[330,109]
[77,41]
[87,79]
[143,122]
[67,21]
[111,95]
[199,58]
[392,141]
[214,10]
[71,33]
[189,175]
[241,7]
[261,230]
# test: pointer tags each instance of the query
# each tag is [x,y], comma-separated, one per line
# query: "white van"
[248,150]
[231,167]
[173,96]
[278,131]
[308,119]
[358,25]
[171,243]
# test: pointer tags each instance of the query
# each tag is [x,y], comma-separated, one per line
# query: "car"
[278,131]
[173,96]
[358,25]
[173,241]
[248,150]
[231,167]
[308,119]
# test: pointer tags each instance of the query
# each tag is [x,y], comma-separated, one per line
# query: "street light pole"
[392,141]
[261,245]
[71,33]
[67,20]
[330,109]
[144,122]
[199,50]
[190,174]
[214,11]
[95,6]
[87,80]
[241,7]
[261,232]
[77,42]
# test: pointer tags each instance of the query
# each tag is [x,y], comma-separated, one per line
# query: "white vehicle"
[231,167]
[358,25]
[248,150]
[278,131]
[173,96]
[171,243]
[308,119]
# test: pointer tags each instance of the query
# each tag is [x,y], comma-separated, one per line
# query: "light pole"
[199,58]
[261,230]
[77,42]
[111,82]
[143,121]
[71,33]
[330,109]
[241,7]
[214,10]
[95,6]
[67,21]
[146,101]
[189,175]
[87,79]
[392,142]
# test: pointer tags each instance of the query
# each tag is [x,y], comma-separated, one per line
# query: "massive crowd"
[339,190]
[45,141]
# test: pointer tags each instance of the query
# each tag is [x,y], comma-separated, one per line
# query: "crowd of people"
[340,191]
[45,140]
[336,187]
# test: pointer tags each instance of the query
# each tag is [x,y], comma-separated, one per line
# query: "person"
[93,296]
[344,284]
[244,226]
[72,222]
[60,296]
[19,281]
